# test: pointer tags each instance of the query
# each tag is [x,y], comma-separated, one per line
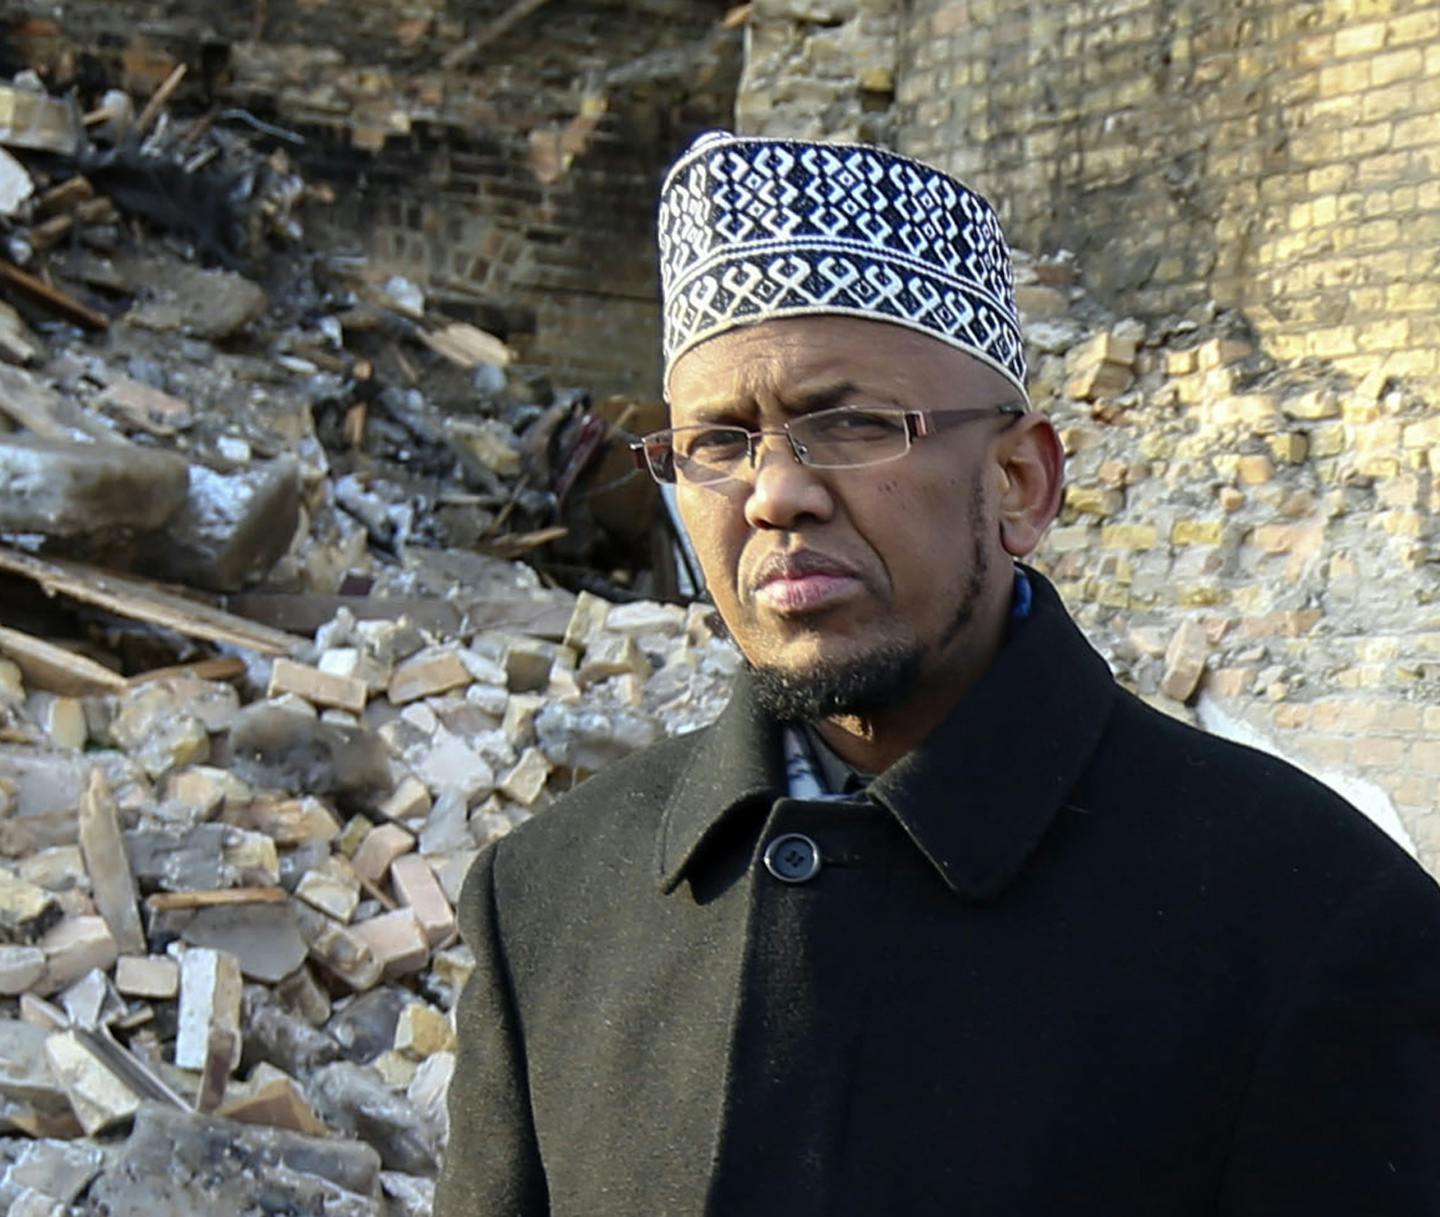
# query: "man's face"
[846,589]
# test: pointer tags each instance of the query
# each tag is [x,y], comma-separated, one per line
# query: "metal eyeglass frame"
[918,424]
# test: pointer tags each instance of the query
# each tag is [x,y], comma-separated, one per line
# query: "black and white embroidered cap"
[752,229]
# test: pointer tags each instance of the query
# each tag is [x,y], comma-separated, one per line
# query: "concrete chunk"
[62,719]
[336,949]
[423,1031]
[103,849]
[26,911]
[524,783]
[379,849]
[317,687]
[265,939]
[62,488]
[427,675]
[147,976]
[1185,661]
[20,967]
[416,886]
[231,528]
[333,888]
[411,800]
[397,940]
[73,947]
[210,992]
[177,1162]
[98,1097]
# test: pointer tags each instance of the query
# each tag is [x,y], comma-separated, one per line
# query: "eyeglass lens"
[828,439]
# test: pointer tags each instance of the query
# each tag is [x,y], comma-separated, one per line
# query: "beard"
[861,687]
[882,677]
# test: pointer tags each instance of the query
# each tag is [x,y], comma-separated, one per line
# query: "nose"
[784,492]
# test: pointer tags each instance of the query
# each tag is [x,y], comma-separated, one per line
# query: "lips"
[803,582]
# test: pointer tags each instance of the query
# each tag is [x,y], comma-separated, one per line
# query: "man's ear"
[1032,462]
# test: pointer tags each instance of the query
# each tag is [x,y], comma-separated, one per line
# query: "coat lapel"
[979,793]
[736,763]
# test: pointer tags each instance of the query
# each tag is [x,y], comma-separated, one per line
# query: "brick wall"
[518,188]
[1282,158]
[1260,186]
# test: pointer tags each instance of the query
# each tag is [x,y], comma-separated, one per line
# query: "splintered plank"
[61,302]
[56,670]
[148,602]
[209,898]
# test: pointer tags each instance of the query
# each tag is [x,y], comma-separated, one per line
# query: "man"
[935,919]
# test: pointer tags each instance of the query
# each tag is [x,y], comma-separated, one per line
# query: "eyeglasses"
[847,437]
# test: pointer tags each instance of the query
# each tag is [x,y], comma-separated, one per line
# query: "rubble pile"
[246,911]
[1286,507]
[269,674]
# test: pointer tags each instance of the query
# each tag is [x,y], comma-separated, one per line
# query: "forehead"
[787,363]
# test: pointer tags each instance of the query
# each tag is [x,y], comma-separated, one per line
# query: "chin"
[828,685]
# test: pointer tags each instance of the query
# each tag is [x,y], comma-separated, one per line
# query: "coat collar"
[1042,706]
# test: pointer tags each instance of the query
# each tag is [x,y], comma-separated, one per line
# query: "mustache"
[796,565]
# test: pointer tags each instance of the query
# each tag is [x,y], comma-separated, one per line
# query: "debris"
[416,886]
[320,688]
[146,602]
[99,1098]
[147,976]
[63,488]
[1185,660]
[53,668]
[175,1164]
[32,120]
[52,297]
[108,866]
[26,911]
[210,991]
[15,184]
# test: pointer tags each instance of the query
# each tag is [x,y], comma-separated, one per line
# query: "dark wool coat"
[1076,960]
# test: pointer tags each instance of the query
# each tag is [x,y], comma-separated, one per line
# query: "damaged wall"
[1279,158]
[516,182]
[1254,466]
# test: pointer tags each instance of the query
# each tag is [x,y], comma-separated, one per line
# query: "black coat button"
[792,858]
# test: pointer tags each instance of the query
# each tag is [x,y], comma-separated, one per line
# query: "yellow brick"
[1199,595]
[1313,404]
[1273,538]
[1398,65]
[1374,465]
[1344,80]
[1359,39]
[1256,469]
[1415,27]
[1412,132]
[1290,448]
[1092,500]
[1325,344]
[1181,363]
[1411,524]
[1381,433]
[1128,536]
[1113,595]
[1424,434]
[1197,532]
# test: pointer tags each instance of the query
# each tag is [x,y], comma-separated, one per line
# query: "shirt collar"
[1044,702]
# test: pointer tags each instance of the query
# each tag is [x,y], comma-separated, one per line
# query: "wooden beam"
[56,670]
[498,28]
[142,601]
[209,898]
[61,302]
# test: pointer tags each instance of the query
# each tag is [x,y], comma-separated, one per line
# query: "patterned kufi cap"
[752,229]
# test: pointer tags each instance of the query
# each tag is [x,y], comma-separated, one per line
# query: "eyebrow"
[807,400]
